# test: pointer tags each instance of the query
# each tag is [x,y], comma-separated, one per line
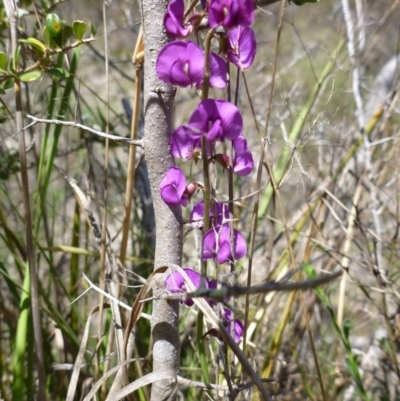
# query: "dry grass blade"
[100,382]
[138,305]
[137,311]
[79,358]
[111,266]
[84,203]
[144,381]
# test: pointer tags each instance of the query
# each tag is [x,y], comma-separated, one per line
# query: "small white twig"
[107,295]
[136,142]
[80,296]
[383,140]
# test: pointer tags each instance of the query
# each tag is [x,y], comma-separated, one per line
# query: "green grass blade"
[19,384]
[48,168]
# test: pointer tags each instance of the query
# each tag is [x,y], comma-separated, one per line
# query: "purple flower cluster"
[214,121]
[176,284]
[182,63]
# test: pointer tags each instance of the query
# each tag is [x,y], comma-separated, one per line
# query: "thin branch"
[271,286]
[135,142]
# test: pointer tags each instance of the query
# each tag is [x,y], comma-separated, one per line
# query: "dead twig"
[36,120]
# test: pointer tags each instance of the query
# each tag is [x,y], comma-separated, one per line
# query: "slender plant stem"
[37,326]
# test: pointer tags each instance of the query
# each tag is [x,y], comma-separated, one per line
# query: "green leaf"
[8,83]
[67,32]
[79,28]
[2,91]
[54,25]
[37,44]
[55,28]
[3,61]
[30,76]
[309,270]
[48,39]
[346,329]
[58,72]
[92,29]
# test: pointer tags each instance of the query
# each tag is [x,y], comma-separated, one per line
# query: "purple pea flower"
[174,20]
[175,283]
[217,119]
[243,159]
[216,245]
[182,64]
[231,13]
[173,187]
[234,327]
[241,47]
[185,144]
[218,212]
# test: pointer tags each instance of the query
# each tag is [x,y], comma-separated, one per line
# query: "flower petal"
[180,63]
[218,71]
[231,13]
[209,245]
[216,245]
[210,111]
[185,144]
[175,283]
[174,21]
[173,186]
[196,59]
[243,159]
[241,47]
[218,213]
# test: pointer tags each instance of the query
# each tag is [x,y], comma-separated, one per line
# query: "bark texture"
[158,106]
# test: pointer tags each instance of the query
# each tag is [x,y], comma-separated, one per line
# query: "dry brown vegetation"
[338,176]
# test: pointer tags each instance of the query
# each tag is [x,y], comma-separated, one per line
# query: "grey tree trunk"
[158,106]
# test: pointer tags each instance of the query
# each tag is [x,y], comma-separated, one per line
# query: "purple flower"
[182,64]
[217,119]
[243,159]
[185,144]
[175,283]
[216,245]
[218,212]
[234,327]
[241,47]
[173,186]
[174,20]
[231,13]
